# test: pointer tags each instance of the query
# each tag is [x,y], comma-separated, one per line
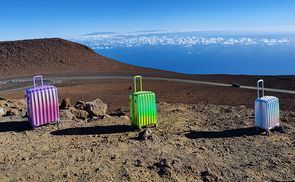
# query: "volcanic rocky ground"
[193,142]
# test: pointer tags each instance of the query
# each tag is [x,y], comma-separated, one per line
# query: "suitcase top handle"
[262,87]
[35,78]
[140,82]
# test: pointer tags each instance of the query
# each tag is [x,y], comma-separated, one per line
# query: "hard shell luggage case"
[267,112]
[42,104]
[143,109]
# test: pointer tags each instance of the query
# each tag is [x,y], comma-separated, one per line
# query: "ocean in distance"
[199,52]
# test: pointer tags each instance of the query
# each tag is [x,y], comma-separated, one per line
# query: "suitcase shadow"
[109,129]
[17,126]
[239,132]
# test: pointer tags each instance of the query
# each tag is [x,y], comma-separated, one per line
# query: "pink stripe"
[44,106]
[45,109]
[57,105]
[54,104]
[47,106]
[35,112]
[33,108]
[37,108]
[41,121]
[51,105]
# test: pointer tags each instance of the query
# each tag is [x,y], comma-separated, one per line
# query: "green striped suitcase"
[143,109]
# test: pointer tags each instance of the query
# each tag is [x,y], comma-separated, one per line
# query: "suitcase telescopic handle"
[140,82]
[258,88]
[35,78]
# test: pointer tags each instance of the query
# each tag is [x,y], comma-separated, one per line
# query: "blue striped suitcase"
[267,112]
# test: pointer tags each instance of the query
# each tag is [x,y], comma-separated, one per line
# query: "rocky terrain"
[193,142]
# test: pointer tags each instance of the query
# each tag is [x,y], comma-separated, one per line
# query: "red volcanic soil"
[45,56]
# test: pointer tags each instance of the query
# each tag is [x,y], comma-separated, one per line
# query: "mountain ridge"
[55,55]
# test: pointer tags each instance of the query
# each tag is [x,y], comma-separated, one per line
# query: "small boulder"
[66,115]
[10,113]
[80,114]
[1,111]
[95,108]
[18,104]
[146,134]
[65,103]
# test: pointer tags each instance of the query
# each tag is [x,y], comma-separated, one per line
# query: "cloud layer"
[108,41]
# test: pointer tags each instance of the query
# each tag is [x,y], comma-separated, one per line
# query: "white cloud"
[108,41]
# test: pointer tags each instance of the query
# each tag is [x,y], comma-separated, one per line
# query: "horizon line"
[285,29]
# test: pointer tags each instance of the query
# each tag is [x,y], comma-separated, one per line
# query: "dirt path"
[19,82]
[115,93]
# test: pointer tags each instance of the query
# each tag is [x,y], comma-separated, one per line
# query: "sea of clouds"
[113,40]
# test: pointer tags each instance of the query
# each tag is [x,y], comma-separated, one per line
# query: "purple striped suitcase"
[42,104]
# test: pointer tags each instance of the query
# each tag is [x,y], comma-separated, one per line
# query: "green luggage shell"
[143,109]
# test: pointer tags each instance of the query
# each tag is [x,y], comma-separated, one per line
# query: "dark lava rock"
[163,168]
[209,175]
[146,134]
[10,113]
[79,105]
[137,163]
[65,103]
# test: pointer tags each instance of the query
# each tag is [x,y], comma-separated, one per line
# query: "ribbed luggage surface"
[42,105]
[143,108]
[143,112]
[267,112]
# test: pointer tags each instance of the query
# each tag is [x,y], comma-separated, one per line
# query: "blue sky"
[22,19]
